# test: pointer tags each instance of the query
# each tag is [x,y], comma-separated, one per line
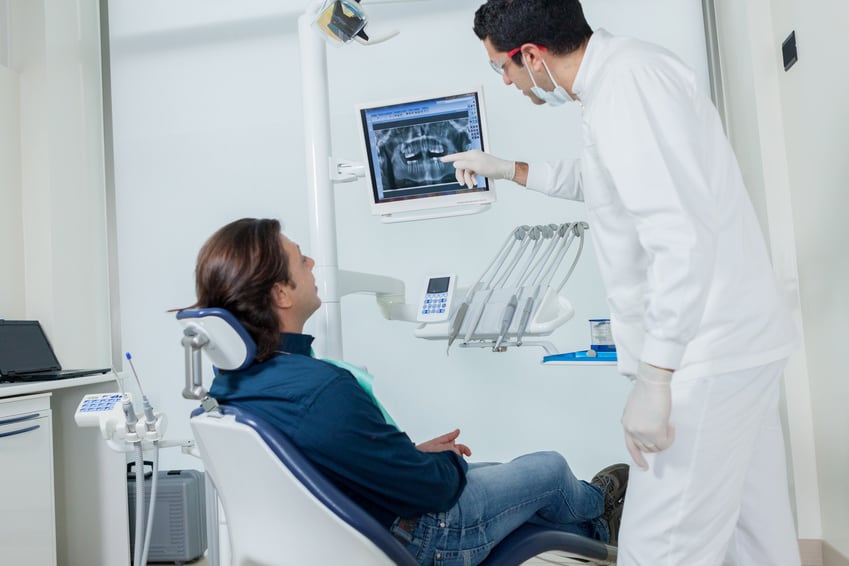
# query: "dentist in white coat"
[697,318]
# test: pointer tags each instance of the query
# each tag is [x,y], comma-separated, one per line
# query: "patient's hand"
[445,442]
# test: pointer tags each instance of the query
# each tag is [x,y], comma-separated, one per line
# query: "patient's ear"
[281,295]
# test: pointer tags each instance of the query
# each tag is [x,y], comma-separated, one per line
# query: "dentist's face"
[511,73]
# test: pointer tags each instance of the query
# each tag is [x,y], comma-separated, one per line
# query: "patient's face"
[303,288]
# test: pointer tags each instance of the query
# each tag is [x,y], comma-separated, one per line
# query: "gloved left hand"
[646,416]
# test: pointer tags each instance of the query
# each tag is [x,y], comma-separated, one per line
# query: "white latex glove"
[467,164]
[646,416]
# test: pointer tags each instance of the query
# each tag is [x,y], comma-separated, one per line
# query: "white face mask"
[555,97]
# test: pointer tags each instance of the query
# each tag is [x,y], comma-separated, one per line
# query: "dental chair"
[279,509]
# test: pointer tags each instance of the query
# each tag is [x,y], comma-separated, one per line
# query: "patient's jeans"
[537,488]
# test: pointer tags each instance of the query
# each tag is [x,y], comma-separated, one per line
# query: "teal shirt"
[365,380]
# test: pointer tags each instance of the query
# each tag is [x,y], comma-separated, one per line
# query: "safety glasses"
[499,67]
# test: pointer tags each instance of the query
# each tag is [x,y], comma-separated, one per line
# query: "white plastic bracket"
[346,171]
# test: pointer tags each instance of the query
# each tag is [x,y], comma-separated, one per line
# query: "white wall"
[815,113]
[750,71]
[789,131]
[11,233]
[207,117]
[4,33]
[52,218]
[55,52]
[11,230]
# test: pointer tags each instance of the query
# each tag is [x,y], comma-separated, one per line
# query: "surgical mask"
[555,97]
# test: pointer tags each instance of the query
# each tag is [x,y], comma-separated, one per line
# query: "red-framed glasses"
[499,67]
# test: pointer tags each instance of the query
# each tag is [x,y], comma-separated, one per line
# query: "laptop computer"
[26,354]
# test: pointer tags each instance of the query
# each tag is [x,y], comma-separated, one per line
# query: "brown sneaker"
[613,480]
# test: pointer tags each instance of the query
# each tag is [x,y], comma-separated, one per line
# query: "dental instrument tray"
[518,295]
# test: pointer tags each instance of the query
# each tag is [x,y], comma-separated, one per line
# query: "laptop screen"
[24,348]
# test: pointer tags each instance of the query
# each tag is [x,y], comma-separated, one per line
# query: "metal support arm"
[193,341]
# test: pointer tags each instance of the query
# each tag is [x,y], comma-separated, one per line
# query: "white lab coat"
[690,287]
[688,277]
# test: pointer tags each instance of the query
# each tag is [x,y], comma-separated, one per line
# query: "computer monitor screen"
[403,141]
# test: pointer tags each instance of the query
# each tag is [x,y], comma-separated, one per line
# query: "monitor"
[403,140]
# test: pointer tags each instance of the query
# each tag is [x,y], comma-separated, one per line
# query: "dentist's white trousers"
[719,494]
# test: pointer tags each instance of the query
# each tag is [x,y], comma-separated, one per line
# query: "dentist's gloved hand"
[467,164]
[646,416]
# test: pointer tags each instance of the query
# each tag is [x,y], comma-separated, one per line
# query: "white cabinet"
[27,515]
[63,496]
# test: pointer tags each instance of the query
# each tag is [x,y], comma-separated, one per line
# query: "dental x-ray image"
[409,154]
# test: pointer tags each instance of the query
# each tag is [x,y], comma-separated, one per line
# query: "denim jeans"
[537,488]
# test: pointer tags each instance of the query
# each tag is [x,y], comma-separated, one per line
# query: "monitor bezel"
[483,197]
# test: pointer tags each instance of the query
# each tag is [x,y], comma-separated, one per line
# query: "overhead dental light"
[342,21]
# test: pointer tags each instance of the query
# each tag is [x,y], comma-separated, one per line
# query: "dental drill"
[499,279]
[510,309]
[496,263]
[549,232]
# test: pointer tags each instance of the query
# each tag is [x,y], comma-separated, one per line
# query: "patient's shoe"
[613,480]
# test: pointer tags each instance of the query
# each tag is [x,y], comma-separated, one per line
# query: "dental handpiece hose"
[129,414]
[520,235]
[149,417]
[526,317]
[549,232]
[143,548]
[140,530]
[509,313]
[494,266]
[458,323]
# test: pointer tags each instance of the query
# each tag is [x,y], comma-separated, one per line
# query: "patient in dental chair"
[439,506]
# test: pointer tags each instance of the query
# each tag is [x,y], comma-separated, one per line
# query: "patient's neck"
[291,326]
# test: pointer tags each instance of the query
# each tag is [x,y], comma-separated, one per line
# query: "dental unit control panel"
[96,406]
[435,305]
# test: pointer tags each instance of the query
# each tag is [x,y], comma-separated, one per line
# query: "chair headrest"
[228,345]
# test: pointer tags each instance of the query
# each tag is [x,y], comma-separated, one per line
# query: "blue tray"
[581,357]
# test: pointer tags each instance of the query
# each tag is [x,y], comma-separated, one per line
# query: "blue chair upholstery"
[319,487]
[232,463]
[531,540]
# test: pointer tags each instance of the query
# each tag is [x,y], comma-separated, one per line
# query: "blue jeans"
[537,488]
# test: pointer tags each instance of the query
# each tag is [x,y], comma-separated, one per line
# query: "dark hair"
[236,269]
[557,25]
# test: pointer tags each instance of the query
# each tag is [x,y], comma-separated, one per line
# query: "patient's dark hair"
[558,25]
[236,269]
